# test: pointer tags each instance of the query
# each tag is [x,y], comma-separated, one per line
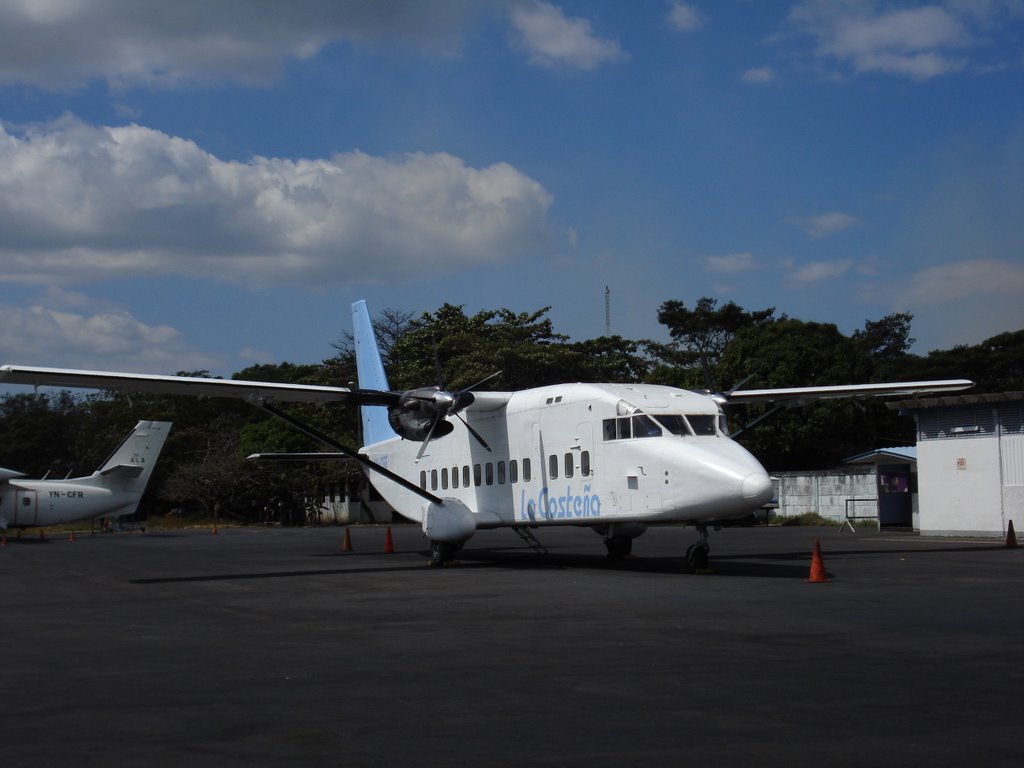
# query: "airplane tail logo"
[376,428]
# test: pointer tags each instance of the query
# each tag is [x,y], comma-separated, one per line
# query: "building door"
[895,495]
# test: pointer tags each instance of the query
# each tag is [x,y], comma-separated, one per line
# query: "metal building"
[970,463]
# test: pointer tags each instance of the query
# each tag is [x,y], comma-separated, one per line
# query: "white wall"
[960,487]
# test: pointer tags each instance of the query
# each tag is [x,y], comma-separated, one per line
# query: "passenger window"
[455,477]
[513,471]
[501,473]
[585,463]
[477,478]
[569,465]
[423,480]
[489,473]
[465,475]
[433,479]
[526,470]
[553,467]
[444,479]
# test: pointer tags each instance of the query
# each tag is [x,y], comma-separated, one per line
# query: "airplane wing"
[793,396]
[257,391]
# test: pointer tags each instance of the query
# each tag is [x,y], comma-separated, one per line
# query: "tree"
[791,353]
[700,335]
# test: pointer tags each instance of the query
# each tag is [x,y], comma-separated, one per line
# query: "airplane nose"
[757,488]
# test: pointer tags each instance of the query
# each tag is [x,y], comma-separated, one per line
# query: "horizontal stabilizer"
[312,456]
[122,470]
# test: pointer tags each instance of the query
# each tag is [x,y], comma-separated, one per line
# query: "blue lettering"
[569,506]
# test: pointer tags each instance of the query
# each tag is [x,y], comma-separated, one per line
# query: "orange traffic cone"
[817,575]
[3,540]
[389,545]
[213,530]
[71,536]
[1011,537]
[346,543]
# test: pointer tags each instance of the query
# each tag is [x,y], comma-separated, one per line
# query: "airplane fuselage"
[583,454]
[51,502]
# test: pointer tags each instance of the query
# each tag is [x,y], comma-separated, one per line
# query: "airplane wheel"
[697,558]
[619,547]
[441,552]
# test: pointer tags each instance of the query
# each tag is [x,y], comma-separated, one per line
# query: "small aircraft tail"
[376,428]
[130,466]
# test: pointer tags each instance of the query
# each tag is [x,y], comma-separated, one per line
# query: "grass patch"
[808,518]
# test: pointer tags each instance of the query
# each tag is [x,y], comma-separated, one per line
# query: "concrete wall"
[826,492]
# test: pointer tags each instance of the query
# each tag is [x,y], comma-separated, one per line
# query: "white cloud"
[79,202]
[758,75]
[960,280]
[64,44]
[730,264]
[44,335]
[916,42]
[555,41]
[815,271]
[685,17]
[826,224]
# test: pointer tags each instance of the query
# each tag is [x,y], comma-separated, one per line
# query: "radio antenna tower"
[607,311]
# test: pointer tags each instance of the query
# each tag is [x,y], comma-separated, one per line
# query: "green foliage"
[203,468]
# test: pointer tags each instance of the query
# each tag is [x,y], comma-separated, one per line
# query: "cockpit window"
[702,423]
[674,423]
[643,425]
[699,424]
[626,427]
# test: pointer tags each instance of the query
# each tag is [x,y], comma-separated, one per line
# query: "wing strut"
[354,455]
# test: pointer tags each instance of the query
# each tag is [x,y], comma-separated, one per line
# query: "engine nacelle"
[450,522]
[417,409]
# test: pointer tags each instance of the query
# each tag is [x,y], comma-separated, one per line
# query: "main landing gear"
[618,538]
[697,553]
[443,552]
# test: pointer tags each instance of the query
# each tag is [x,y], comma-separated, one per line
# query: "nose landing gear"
[697,553]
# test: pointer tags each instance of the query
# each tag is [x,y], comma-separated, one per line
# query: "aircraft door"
[26,507]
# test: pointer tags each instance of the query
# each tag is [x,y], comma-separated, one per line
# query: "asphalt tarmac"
[274,647]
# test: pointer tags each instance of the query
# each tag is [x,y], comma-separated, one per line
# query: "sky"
[209,185]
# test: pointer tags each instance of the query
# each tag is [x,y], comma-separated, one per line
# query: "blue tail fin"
[371,375]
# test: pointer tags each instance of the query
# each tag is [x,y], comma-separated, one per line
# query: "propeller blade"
[474,433]
[430,434]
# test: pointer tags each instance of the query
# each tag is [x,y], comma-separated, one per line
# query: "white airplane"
[614,457]
[111,491]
